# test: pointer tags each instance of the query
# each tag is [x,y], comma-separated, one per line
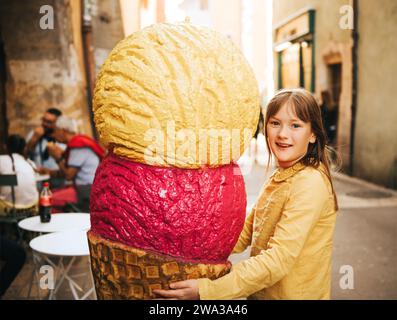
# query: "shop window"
[296,66]
[306,65]
[290,67]
[294,45]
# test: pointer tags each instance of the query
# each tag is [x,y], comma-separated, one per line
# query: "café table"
[70,244]
[59,222]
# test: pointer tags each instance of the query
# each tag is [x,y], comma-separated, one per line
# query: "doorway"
[331,99]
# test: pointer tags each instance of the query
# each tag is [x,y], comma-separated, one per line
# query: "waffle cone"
[124,272]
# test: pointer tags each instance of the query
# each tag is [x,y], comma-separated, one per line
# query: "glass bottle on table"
[45,203]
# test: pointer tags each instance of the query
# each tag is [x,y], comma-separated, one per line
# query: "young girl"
[291,226]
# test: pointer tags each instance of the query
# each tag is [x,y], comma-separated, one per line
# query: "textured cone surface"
[176,95]
[123,272]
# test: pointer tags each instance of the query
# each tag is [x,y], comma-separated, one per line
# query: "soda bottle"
[45,203]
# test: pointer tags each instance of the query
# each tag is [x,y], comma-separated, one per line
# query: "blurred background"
[343,51]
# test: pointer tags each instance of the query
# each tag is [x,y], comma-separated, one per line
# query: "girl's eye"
[274,123]
[295,125]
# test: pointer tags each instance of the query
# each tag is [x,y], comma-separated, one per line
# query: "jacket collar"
[283,174]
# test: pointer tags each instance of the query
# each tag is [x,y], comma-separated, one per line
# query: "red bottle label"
[45,201]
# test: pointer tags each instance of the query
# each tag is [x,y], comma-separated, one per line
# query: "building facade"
[342,51]
[43,63]
[49,57]
[375,142]
[312,51]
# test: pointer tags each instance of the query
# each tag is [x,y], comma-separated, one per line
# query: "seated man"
[78,162]
[37,140]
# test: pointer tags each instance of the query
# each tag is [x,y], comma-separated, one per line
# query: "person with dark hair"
[56,112]
[25,193]
[37,141]
[16,144]
[12,255]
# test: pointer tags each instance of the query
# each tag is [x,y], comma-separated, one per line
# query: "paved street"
[365,238]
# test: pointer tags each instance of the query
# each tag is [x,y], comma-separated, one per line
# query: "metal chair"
[9,180]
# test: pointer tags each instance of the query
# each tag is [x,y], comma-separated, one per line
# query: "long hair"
[306,109]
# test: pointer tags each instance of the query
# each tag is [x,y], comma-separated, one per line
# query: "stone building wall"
[375,152]
[107,28]
[44,67]
[375,143]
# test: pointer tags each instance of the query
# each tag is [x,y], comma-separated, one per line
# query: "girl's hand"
[182,290]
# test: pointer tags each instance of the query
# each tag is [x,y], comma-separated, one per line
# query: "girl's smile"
[283,146]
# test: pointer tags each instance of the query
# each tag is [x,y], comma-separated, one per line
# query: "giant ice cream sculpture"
[176,105]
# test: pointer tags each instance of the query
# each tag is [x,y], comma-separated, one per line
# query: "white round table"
[66,243]
[70,243]
[59,222]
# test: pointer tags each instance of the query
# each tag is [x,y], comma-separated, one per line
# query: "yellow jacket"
[290,230]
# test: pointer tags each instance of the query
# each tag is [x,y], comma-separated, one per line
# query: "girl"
[290,228]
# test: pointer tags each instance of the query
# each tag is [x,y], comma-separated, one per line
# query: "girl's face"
[288,136]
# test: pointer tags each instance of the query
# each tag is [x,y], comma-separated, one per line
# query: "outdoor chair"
[14,215]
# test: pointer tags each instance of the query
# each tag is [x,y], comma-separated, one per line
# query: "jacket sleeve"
[308,195]
[246,235]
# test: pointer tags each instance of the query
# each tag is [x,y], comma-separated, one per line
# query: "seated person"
[26,194]
[37,140]
[78,162]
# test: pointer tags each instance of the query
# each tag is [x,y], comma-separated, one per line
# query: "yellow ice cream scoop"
[176,95]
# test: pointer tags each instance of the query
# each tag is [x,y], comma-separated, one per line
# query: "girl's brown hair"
[307,109]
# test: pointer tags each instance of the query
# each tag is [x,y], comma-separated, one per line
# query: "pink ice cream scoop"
[192,214]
